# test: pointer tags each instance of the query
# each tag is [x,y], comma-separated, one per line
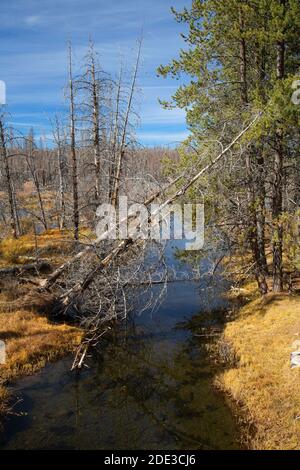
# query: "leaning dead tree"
[46,284]
[84,284]
[100,295]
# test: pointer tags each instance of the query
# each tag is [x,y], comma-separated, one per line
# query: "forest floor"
[259,378]
[31,338]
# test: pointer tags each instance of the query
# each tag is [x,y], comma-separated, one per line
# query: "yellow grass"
[263,383]
[51,244]
[31,340]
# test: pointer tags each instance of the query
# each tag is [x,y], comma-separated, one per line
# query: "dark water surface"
[152,388]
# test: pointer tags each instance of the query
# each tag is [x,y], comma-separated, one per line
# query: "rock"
[295,359]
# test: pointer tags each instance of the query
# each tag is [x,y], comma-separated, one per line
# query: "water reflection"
[151,388]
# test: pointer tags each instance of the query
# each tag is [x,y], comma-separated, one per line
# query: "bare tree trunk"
[253,232]
[255,227]
[121,153]
[17,219]
[261,218]
[115,137]
[73,149]
[95,118]
[62,218]
[260,178]
[276,214]
[278,184]
[61,164]
[34,173]
[41,203]
[10,193]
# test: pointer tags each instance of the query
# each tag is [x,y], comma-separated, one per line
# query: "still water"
[151,389]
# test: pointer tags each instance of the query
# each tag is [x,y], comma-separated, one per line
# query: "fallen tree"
[112,285]
[69,296]
[47,283]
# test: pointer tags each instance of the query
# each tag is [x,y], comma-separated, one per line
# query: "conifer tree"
[240,58]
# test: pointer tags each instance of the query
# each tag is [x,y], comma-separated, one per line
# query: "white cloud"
[32,20]
[166,138]
[155,114]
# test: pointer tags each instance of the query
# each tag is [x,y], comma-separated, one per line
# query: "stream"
[151,389]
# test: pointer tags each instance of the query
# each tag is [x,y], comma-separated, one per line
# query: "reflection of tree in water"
[167,384]
[206,265]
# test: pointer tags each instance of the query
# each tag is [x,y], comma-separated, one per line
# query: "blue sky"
[33,35]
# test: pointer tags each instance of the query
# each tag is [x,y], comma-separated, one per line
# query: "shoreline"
[261,387]
[31,338]
[31,341]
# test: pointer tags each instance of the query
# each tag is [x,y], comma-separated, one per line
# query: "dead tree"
[49,282]
[121,150]
[60,142]
[9,184]
[30,160]
[72,119]
[93,85]
[115,136]
[96,120]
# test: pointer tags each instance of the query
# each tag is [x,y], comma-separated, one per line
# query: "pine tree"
[241,58]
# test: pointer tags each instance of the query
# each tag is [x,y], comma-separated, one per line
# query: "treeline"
[93,157]
[242,57]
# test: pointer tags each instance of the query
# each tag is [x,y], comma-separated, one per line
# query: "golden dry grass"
[48,243]
[262,382]
[31,341]
[51,244]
